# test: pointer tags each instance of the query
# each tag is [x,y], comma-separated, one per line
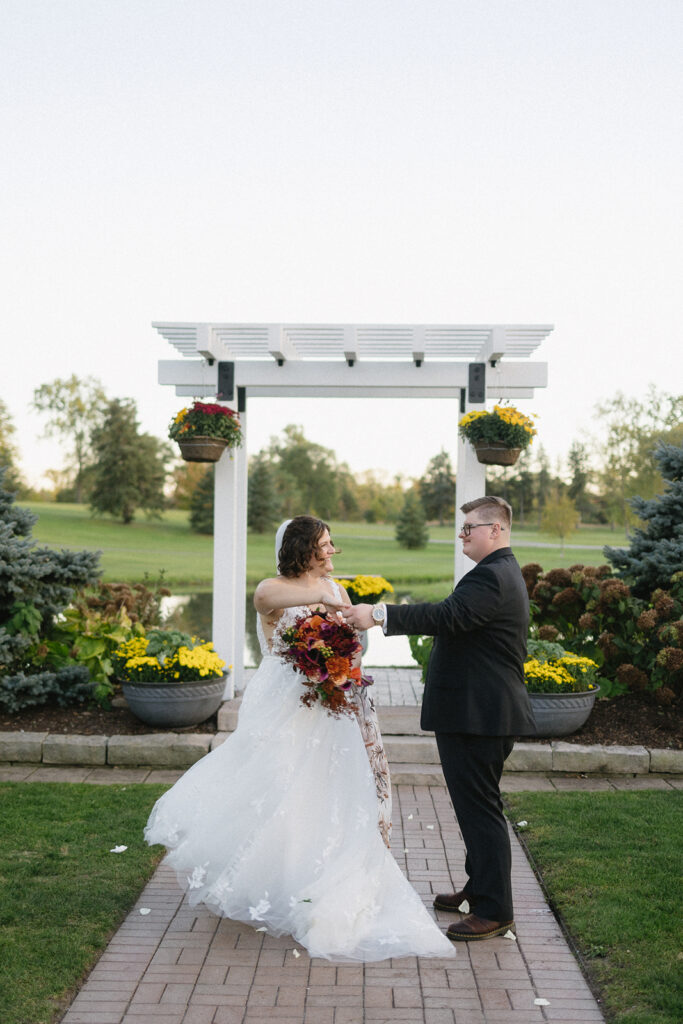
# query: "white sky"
[419,161]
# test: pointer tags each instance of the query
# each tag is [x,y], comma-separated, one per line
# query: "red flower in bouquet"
[323,650]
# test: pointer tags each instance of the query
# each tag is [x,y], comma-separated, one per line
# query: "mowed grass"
[62,893]
[148,546]
[128,552]
[611,863]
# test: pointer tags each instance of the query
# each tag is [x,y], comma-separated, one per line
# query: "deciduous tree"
[306,474]
[130,470]
[75,408]
[560,516]
[632,429]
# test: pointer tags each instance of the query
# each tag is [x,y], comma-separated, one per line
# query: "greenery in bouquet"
[551,669]
[505,424]
[207,420]
[164,656]
[366,589]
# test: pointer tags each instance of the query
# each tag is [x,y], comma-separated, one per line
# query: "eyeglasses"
[468,527]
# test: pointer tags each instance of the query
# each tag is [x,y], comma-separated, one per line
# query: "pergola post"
[470,483]
[230,561]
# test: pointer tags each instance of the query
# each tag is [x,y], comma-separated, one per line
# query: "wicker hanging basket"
[496,453]
[202,448]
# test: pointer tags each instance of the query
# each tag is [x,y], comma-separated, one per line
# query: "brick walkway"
[179,965]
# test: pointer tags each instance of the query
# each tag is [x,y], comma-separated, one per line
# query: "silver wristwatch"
[379,614]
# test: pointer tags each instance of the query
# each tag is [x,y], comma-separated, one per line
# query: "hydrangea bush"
[636,642]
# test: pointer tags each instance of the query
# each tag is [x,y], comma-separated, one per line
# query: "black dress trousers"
[472,766]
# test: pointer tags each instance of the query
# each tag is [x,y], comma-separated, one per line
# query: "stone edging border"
[180,750]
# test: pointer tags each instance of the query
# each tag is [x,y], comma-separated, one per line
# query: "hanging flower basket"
[202,448]
[496,453]
[498,437]
[205,430]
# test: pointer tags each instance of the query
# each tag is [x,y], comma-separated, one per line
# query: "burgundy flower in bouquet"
[323,650]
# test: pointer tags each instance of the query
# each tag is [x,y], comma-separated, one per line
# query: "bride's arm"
[278,593]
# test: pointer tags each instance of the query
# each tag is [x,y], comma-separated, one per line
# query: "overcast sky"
[367,161]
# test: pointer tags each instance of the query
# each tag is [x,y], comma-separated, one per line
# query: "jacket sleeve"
[473,603]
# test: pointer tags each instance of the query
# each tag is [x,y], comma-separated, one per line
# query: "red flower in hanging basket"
[204,419]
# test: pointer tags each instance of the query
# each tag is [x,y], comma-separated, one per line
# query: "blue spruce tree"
[36,584]
[656,550]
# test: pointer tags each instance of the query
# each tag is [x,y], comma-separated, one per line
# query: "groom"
[475,702]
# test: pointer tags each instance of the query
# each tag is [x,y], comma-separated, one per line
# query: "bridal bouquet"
[322,650]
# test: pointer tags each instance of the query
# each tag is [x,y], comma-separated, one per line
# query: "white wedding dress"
[285,826]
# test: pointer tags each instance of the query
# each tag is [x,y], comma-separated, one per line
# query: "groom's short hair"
[498,508]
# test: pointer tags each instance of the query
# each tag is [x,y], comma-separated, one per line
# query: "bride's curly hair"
[300,544]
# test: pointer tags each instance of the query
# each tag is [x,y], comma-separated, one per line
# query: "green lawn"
[611,863]
[147,546]
[62,893]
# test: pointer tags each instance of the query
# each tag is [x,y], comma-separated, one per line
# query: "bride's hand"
[331,601]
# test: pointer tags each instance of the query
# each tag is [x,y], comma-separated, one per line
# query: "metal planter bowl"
[174,705]
[559,714]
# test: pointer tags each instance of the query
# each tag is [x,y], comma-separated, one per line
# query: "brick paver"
[182,965]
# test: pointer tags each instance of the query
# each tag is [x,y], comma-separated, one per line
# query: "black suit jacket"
[475,676]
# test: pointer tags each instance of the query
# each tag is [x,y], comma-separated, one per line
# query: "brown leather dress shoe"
[451,901]
[473,928]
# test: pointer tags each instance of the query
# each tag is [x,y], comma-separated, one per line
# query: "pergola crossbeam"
[393,342]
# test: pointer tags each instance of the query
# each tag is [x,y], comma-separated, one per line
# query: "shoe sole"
[458,937]
[451,909]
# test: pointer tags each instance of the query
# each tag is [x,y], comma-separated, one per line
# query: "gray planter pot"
[559,714]
[174,705]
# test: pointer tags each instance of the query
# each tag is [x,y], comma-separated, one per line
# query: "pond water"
[192,614]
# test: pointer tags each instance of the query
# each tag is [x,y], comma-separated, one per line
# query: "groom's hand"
[359,615]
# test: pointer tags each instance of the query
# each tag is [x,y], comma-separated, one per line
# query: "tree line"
[118,469]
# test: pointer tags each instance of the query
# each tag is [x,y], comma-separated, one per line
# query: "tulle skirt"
[278,827]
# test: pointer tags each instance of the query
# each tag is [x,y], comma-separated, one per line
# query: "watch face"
[378,614]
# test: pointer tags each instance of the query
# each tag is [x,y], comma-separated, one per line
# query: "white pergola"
[234,362]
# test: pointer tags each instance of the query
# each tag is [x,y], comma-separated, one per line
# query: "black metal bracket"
[225,387]
[476,389]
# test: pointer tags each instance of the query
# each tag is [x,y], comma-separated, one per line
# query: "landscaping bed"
[630,720]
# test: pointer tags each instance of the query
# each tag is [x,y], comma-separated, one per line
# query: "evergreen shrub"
[656,549]
[36,585]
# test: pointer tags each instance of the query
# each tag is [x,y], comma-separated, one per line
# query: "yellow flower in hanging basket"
[505,425]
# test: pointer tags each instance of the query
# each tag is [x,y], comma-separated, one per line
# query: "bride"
[286,824]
